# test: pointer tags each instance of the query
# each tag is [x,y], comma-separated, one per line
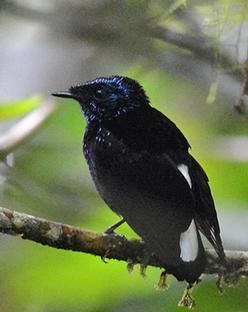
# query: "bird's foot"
[116,242]
[103,258]
[162,285]
[111,229]
[187,298]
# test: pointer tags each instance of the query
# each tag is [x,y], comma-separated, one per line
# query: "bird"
[142,168]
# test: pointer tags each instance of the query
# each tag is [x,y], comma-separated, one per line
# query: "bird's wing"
[204,209]
[155,200]
[169,135]
[206,216]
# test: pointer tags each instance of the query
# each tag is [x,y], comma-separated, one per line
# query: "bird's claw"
[162,285]
[113,246]
[187,300]
[103,258]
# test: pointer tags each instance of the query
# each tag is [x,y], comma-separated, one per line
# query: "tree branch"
[117,247]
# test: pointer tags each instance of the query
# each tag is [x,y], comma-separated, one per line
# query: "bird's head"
[107,98]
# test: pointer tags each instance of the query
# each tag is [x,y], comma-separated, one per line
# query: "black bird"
[142,169]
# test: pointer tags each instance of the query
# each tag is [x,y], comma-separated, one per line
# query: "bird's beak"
[65,94]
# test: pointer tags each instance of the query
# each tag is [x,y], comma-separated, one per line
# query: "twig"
[202,47]
[117,247]
[25,128]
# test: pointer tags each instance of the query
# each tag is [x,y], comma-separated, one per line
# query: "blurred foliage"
[50,178]
[219,14]
[19,108]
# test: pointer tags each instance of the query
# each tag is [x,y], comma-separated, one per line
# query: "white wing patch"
[189,243]
[185,172]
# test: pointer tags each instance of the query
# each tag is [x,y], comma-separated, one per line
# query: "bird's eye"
[100,94]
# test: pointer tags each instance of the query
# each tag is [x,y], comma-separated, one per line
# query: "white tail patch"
[189,243]
[185,172]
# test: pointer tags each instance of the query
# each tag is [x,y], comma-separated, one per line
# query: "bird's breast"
[108,161]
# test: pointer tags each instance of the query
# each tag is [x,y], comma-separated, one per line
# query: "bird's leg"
[162,285]
[113,227]
[187,298]
[110,230]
